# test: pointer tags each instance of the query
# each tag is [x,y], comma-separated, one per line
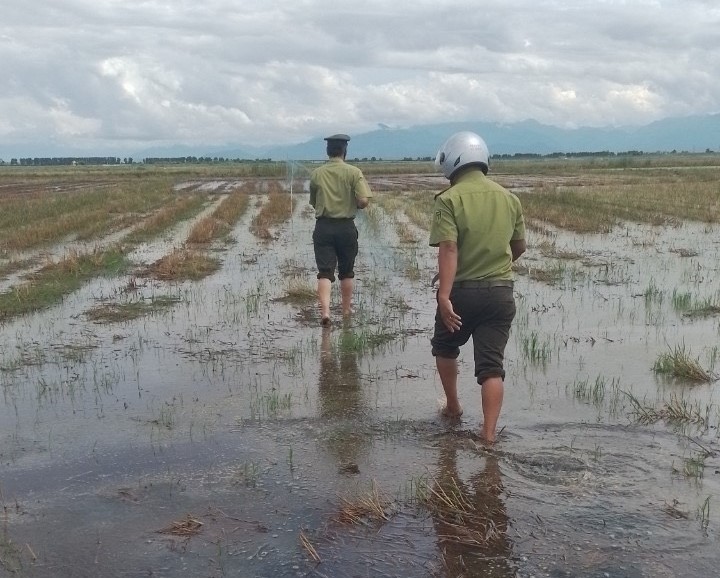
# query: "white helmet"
[460,150]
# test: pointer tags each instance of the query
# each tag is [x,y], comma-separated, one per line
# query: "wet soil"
[234,407]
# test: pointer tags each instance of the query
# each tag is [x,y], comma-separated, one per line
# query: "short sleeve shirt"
[482,218]
[335,188]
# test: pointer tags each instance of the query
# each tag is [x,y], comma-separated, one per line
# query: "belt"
[324,218]
[482,283]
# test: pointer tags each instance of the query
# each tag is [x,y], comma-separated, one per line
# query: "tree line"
[67,161]
[71,161]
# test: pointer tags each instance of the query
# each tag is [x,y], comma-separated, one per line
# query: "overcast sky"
[113,75]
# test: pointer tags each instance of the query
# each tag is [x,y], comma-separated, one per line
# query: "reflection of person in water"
[470,519]
[340,397]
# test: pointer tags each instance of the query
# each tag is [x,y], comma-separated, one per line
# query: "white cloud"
[278,71]
[69,124]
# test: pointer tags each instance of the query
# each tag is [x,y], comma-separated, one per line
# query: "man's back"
[334,189]
[482,218]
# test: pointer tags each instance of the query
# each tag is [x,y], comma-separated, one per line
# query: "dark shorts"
[336,246]
[486,314]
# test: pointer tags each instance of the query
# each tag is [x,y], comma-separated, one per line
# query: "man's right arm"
[362,192]
[517,242]
[313,193]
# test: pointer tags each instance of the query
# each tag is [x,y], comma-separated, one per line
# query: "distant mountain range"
[686,134]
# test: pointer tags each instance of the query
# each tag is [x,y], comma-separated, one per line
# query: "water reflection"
[341,399]
[470,518]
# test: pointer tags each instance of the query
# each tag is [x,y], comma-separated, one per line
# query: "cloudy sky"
[115,75]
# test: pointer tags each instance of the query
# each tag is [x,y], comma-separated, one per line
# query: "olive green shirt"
[482,218]
[335,187]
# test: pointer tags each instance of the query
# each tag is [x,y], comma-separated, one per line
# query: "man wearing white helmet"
[337,191]
[479,229]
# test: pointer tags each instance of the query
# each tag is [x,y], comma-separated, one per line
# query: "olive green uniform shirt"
[335,188]
[482,218]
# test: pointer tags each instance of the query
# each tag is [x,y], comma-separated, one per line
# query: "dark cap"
[342,137]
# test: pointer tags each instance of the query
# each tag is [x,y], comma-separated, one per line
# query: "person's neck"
[462,172]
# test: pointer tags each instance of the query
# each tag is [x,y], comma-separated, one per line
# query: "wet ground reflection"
[235,407]
[470,518]
[340,399]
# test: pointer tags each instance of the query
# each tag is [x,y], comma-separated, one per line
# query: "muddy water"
[236,409]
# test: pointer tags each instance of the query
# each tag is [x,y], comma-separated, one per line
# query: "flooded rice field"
[228,434]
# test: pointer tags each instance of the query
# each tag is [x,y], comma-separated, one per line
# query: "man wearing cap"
[337,191]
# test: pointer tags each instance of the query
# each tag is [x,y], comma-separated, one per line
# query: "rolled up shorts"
[336,246]
[486,309]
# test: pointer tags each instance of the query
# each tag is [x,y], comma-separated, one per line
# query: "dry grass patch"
[180,265]
[234,206]
[551,276]
[206,230]
[419,209]
[12,266]
[274,212]
[548,249]
[680,364]
[187,527]
[565,210]
[299,291]
[371,508]
[658,197]
[47,217]
[119,312]
[179,209]
[405,233]
[675,411]
[50,284]
[683,252]
[309,548]
[220,223]
[460,521]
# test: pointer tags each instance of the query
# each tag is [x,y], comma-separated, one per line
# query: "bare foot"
[487,438]
[485,442]
[451,413]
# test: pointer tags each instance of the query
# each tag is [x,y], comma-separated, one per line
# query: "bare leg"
[346,291]
[323,290]
[492,399]
[448,370]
